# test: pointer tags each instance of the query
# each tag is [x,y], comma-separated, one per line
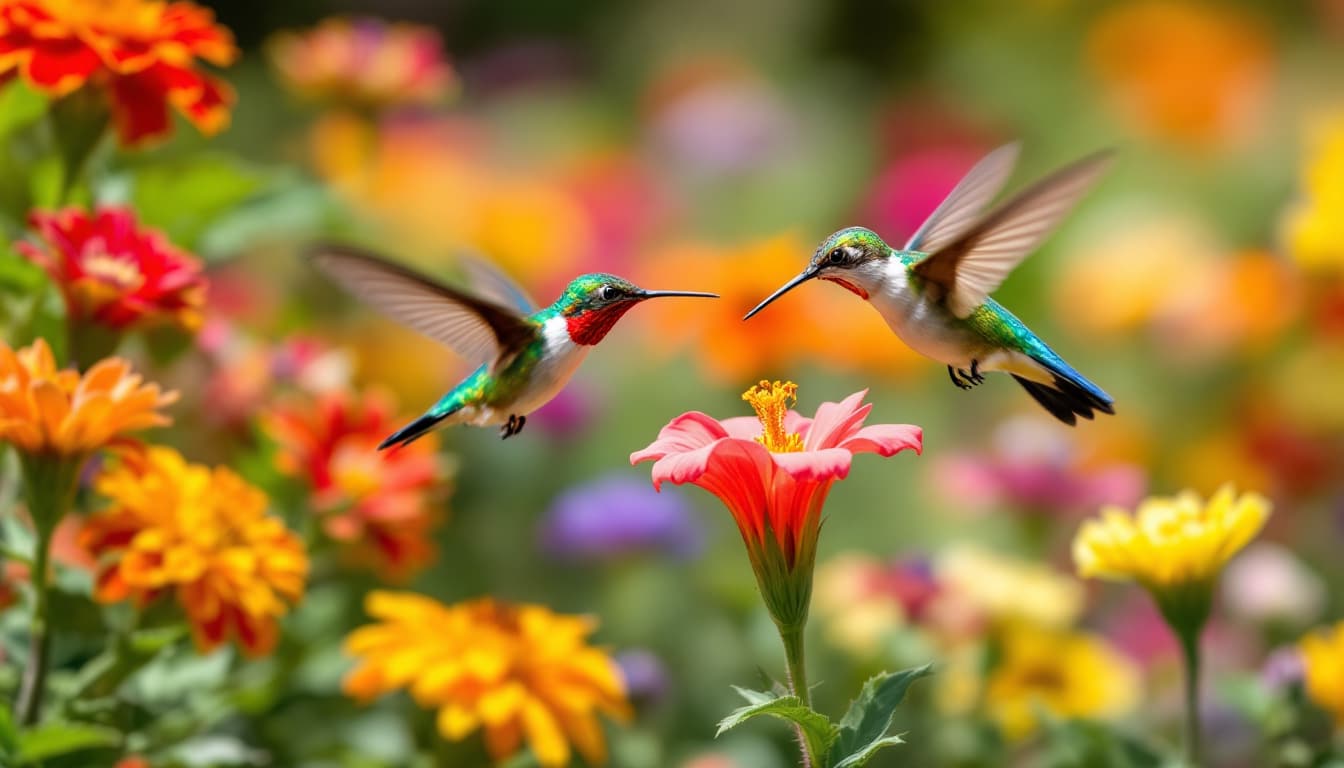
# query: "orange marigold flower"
[114,273]
[202,533]
[364,61]
[141,53]
[513,671]
[379,504]
[46,411]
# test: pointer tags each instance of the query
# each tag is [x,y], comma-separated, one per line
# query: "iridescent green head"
[592,304]
[853,258]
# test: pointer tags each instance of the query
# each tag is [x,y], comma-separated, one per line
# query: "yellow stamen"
[771,402]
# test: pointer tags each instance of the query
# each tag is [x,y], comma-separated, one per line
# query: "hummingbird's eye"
[836,256]
[608,293]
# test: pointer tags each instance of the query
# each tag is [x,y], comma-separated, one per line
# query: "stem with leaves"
[793,656]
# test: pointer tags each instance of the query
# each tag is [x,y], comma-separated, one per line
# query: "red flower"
[113,273]
[773,473]
[379,504]
[142,53]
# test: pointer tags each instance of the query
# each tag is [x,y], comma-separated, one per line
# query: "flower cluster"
[202,534]
[141,53]
[380,506]
[513,671]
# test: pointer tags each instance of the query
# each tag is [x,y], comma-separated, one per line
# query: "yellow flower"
[1008,589]
[203,533]
[1068,674]
[1323,667]
[1169,541]
[46,411]
[1312,230]
[513,671]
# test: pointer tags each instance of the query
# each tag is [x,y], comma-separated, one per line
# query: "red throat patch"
[588,328]
[848,286]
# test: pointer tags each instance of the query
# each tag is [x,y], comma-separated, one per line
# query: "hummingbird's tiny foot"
[522,421]
[976,376]
[956,376]
[510,429]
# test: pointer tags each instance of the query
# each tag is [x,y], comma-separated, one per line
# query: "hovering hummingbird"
[934,292]
[525,355]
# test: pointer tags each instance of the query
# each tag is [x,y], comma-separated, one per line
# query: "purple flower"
[616,516]
[567,414]
[1282,669]
[644,674]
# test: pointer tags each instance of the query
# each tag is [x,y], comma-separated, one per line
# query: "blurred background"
[704,145]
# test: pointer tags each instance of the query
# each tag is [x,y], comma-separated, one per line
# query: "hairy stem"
[793,655]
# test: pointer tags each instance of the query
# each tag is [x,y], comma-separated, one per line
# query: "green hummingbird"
[525,355]
[934,292]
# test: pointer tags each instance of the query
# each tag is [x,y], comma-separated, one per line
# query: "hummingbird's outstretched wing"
[977,261]
[479,330]
[964,205]
[493,285]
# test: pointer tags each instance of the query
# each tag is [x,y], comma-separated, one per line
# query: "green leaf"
[816,727]
[9,735]
[863,729]
[19,106]
[186,198]
[55,739]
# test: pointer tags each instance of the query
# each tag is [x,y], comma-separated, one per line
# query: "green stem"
[39,640]
[1190,654]
[793,657]
[49,488]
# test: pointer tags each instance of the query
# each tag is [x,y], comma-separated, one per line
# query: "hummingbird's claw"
[953,374]
[976,376]
[513,427]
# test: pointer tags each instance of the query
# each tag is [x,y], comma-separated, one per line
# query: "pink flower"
[773,473]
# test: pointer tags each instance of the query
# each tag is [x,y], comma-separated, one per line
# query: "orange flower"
[379,505]
[45,411]
[113,272]
[202,533]
[1184,71]
[513,671]
[804,327]
[141,53]
[366,62]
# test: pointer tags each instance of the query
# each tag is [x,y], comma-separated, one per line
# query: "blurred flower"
[114,273]
[245,370]
[1323,669]
[712,115]
[773,472]
[381,506]
[616,516]
[1169,542]
[1184,71]
[1283,669]
[912,185]
[1034,467]
[141,53]
[50,412]
[791,331]
[514,671]
[1269,583]
[364,62]
[1312,231]
[645,677]
[863,600]
[133,761]
[1240,303]
[567,414]
[1067,674]
[1007,589]
[202,533]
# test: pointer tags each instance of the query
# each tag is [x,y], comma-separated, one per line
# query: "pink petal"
[742,427]
[886,439]
[687,432]
[835,421]
[825,464]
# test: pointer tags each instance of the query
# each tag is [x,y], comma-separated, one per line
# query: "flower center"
[106,268]
[771,402]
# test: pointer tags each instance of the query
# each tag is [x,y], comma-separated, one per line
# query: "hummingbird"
[934,291]
[524,355]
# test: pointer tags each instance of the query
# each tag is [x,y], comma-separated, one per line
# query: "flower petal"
[886,439]
[687,432]
[825,464]
[836,421]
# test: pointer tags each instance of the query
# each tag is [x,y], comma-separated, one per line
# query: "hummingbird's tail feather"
[416,429]
[1070,395]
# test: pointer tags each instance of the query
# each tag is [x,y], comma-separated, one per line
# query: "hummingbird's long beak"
[660,294]
[807,274]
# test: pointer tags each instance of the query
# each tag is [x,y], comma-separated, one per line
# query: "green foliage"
[863,729]
[58,738]
[816,727]
[1088,744]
